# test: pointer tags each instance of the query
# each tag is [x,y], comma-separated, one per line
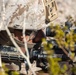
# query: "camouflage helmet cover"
[37,13]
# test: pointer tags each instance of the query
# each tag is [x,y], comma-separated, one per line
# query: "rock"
[65,8]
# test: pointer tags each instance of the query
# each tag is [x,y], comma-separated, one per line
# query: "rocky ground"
[65,8]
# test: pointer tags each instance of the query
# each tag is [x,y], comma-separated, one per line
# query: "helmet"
[36,14]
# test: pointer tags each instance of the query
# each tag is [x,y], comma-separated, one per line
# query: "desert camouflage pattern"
[37,13]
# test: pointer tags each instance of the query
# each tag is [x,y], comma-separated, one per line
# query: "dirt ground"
[42,74]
